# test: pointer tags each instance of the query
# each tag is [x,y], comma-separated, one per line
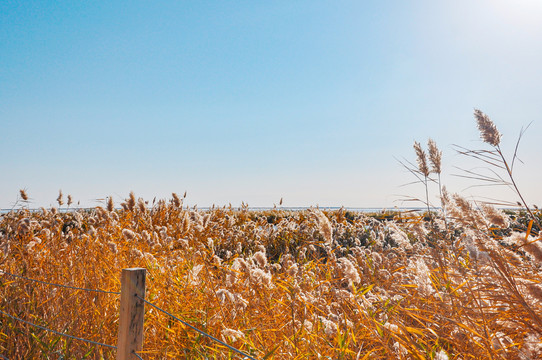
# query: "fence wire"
[56,332]
[2,272]
[196,329]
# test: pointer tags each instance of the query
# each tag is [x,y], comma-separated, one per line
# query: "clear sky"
[254,101]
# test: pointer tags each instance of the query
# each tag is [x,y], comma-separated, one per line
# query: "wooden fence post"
[132,309]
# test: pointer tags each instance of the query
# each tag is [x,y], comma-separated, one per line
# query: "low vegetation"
[460,282]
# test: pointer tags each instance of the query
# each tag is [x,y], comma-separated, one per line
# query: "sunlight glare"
[519,12]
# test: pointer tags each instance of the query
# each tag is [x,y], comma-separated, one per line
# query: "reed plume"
[128,234]
[421,159]
[59,199]
[324,226]
[176,200]
[110,204]
[141,206]
[131,201]
[424,170]
[23,194]
[488,130]
[435,156]
[495,158]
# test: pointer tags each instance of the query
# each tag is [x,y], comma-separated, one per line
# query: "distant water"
[281,208]
[331,208]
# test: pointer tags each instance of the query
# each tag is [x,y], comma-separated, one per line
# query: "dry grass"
[278,284]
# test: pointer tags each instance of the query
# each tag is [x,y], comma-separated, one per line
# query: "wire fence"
[197,330]
[56,332]
[201,332]
[2,272]
[137,355]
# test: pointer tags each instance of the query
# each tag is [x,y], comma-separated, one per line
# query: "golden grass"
[460,284]
[274,282]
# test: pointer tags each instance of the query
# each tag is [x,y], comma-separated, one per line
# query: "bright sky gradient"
[254,101]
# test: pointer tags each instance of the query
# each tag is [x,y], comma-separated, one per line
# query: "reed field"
[459,282]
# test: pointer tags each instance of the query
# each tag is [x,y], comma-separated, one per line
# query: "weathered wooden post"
[132,309]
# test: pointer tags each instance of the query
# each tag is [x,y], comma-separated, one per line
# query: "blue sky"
[232,101]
